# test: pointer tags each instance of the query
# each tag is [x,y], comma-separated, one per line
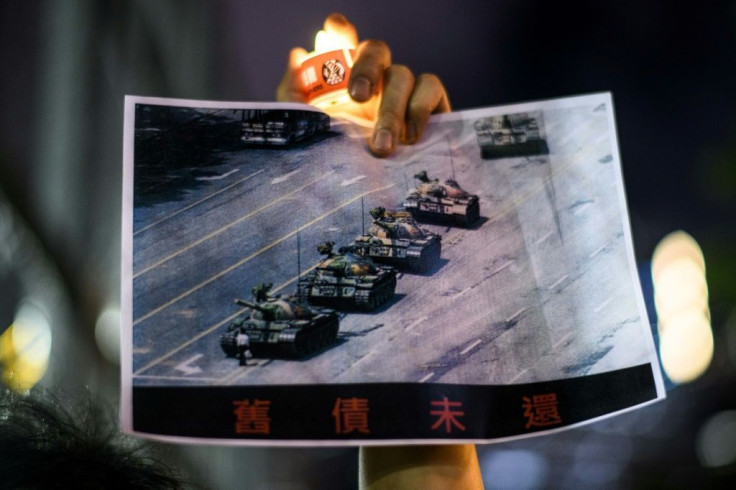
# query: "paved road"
[538,289]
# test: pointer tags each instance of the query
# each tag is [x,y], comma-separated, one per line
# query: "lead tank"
[395,239]
[442,201]
[280,326]
[347,280]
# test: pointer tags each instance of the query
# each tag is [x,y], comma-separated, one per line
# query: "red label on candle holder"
[325,73]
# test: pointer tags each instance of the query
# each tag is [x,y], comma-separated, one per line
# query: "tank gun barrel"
[254,306]
[266,313]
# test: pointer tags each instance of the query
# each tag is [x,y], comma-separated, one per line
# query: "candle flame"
[329,41]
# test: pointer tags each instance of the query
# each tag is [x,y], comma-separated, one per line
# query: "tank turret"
[433,200]
[280,326]
[348,280]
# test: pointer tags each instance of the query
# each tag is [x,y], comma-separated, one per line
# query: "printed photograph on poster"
[266,247]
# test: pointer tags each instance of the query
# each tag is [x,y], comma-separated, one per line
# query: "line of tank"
[360,276]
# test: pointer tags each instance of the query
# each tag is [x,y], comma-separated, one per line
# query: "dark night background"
[670,66]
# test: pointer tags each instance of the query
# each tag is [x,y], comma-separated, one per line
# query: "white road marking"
[516,314]
[285,177]
[602,137]
[237,373]
[596,252]
[503,267]
[186,366]
[255,254]
[236,376]
[543,238]
[173,378]
[558,282]
[415,323]
[519,375]
[468,348]
[573,135]
[603,305]
[197,202]
[581,208]
[214,327]
[562,340]
[190,341]
[352,181]
[219,177]
[230,225]
[369,354]
[426,377]
[511,204]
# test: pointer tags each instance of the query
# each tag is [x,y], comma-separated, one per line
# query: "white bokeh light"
[686,346]
[107,334]
[26,347]
[716,442]
[681,300]
[514,468]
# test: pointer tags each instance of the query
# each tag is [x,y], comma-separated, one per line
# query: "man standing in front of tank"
[243,342]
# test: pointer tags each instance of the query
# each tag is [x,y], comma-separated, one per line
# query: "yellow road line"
[230,225]
[211,329]
[514,203]
[197,202]
[255,254]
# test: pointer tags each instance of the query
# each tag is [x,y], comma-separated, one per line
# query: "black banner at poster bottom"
[375,411]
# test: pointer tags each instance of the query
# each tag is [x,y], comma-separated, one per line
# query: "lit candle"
[326,70]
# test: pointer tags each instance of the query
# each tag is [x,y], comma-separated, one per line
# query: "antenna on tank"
[298,266]
[449,151]
[362,215]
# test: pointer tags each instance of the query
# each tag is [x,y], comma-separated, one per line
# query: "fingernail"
[360,89]
[383,140]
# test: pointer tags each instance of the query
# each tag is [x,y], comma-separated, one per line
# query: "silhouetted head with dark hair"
[44,443]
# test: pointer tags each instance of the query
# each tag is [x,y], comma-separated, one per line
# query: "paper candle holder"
[325,76]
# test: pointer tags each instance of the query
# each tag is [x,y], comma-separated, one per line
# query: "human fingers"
[290,88]
[366,75]
[428,97]
[446,467]
[397,89]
